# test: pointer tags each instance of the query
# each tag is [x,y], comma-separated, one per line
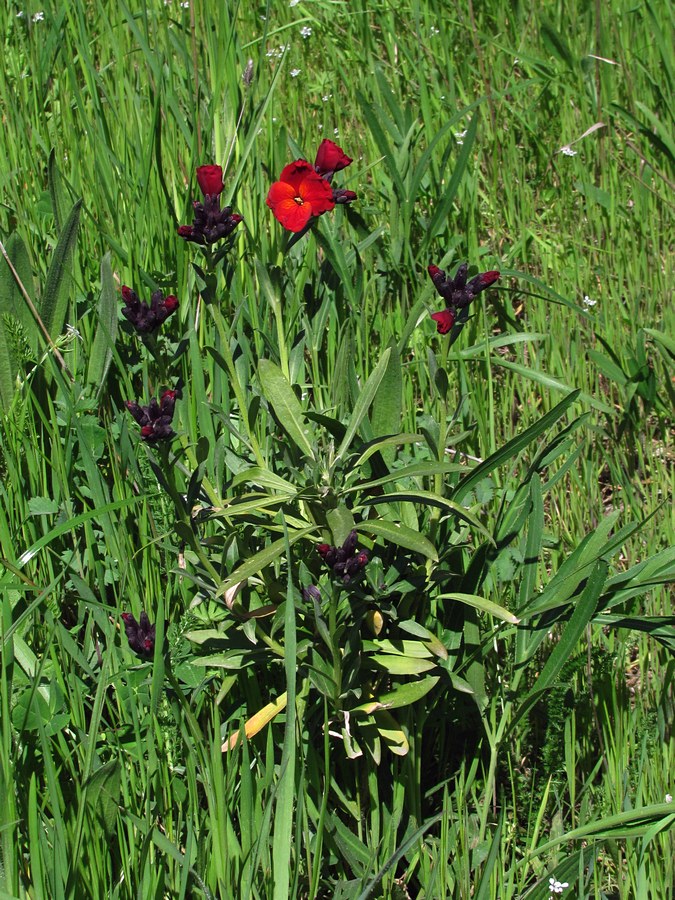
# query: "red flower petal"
[292,215]
[434,271]
[280,192]
[295,173]
[444,320]
[171,303]
[210,179]
[317,191]
[330,158]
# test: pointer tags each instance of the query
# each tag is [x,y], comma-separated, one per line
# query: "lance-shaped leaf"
[54,302]
[279,394]
[365,398]
[16,320]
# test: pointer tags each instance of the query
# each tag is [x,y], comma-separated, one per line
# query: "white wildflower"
[295,73]
[336,132]
[435,31]
[459,135]
[588,303]
[38,17]
[669,798]
[305,31]
[20,14]
[185,4]
[557,887]
[567,151]
[326,97]
[294,3]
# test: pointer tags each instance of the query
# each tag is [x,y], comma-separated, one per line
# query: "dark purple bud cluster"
[455,291]
[211,223]
[141,635]
[147,317]
[155,418]
[345,561]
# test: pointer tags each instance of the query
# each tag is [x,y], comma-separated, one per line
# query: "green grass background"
[456,116]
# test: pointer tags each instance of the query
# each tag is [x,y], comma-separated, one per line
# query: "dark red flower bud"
[210,180]
[330,159]
[311,592]
[323,549]
[141,635]
[342,196]
[185,231]
[482,281]
[444,320]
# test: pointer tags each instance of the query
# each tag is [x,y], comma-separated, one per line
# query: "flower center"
[299,200]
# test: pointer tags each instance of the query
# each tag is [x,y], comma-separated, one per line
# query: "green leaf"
[53,305]
[16,319]
[259,561]
[402,695]
[280,395]
[428,498]
[582,615]
[513,447]
[486,606]
[365,398]
[401,535]
[340,521]
[61,202]
[387,405]
[103,344]
[103,794]
[401,665]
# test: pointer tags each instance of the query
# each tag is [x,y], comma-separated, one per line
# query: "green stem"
[335,650]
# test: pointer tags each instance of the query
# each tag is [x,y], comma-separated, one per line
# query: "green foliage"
[292,732]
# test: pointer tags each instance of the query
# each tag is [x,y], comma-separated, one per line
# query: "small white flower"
[567,151]
[588,303]
[336,132]
[20,14]
[185,4]
[557,887]
[326,97]
[38,17]
[435,30]
[305,31]
[459,135]
[669,798]
[294,3]
[320,127]
[295,73]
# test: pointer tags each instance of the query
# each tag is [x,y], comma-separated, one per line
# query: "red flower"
[330,158]
[444,319]
[299,194]
[210,179]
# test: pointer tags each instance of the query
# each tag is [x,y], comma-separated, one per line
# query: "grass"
[513,622]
